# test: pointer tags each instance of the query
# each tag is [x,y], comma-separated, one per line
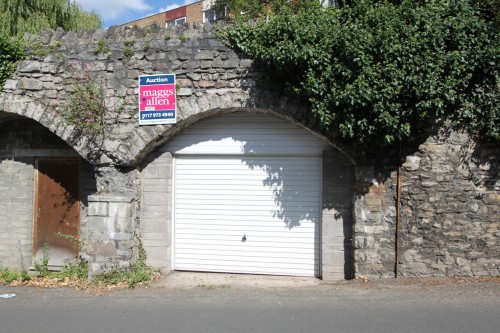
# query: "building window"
[179,21]
[210,15]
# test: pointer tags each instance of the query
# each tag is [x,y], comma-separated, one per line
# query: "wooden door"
[57,209]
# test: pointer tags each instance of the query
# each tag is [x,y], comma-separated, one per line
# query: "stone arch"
[337,192]
[25,142]
[170,132]
[23,106]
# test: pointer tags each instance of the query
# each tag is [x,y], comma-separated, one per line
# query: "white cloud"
[111,9]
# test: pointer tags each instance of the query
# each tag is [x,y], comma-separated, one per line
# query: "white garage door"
[237,215]
[247,196]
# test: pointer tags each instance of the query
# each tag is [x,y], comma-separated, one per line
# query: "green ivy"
[373,72]
[11,51]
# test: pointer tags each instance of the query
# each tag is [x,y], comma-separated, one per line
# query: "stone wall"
[450,211]
[209,77]
[451,208]
[374,222]
[450,189]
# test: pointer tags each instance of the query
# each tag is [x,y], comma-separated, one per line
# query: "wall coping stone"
[111,197]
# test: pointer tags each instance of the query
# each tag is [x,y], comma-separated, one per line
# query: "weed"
[183,38]
[43,268]
[7,276]
[102,48]
[128,52]
[60,57]
[75,274]
[129,43]
[86,108]
[167,37]
[146,47]
[135,274]
[40,52]
[78,270]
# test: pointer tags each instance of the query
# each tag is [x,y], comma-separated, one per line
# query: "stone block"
[491,199]
[154,215]
[102,248]
[96,225]
[231,63]
[333,273]
[10,85]
[332,258]
[30,84]
[162,209]
[331,230]
[150,236]
[412,163]
[119,209]
[119,224]
[153,225]
[204,55]
[160,258]
[373,201]
[157,172]
[121,236]
[98,209]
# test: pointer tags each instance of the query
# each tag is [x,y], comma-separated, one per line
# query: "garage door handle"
[244,238]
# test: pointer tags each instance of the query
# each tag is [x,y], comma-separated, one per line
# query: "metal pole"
[398,211]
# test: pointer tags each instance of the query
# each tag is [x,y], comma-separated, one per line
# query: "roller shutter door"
[247,196]
[233,214]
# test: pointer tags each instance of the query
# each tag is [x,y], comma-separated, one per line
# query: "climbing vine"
[376,71]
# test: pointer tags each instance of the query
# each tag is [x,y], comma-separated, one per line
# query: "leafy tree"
[10,52]
[373,71]
[19,16]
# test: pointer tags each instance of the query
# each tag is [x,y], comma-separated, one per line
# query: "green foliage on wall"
[11,51]
[86,108]
[373,71]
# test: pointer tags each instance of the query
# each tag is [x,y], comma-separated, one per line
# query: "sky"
[122,11]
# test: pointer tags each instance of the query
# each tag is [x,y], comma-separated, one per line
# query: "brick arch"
[173,131]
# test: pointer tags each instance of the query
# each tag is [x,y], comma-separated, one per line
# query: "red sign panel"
[175,13]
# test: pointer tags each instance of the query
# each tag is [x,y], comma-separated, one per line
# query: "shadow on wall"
[483,164]
[294,181]
[293,196]
[290,171]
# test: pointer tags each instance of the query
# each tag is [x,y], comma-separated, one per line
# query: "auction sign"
[157,100]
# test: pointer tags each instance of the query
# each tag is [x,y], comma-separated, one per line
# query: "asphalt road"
[343,307]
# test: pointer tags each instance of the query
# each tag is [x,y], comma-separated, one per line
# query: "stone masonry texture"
[450,183]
